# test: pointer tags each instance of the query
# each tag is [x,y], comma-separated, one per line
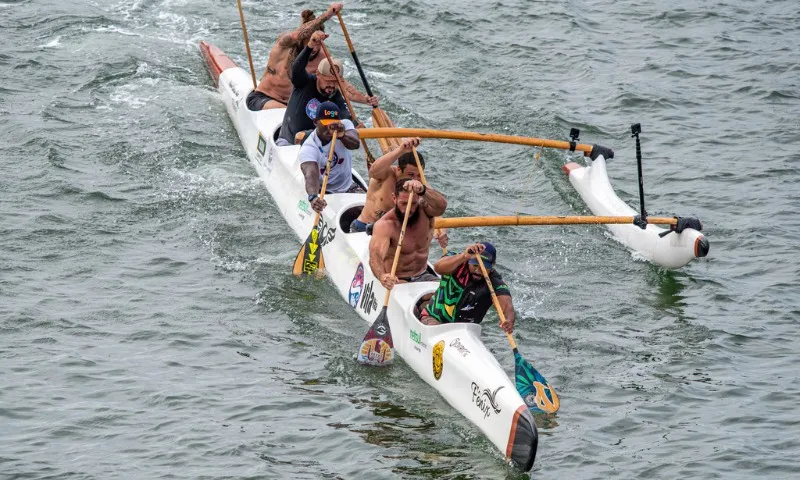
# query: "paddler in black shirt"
[463,295]
[310,91]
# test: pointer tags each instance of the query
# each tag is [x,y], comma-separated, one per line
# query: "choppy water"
[150,324]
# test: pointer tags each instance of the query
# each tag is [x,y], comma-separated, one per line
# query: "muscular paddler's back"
[276,82]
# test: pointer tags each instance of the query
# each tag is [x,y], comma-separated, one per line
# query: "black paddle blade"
[309,258]
[377,347]
[538,394]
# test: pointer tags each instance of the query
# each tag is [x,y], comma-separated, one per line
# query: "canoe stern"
[524,439]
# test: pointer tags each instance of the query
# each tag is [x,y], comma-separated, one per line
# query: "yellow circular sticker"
[438,360]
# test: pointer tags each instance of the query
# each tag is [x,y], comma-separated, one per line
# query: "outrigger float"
[671,248]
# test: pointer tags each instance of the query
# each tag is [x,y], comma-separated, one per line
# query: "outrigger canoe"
[450,358]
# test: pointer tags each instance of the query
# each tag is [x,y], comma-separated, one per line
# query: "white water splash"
[126,94]
[54,43]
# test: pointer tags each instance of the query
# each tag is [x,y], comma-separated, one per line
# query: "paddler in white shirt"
[315,150]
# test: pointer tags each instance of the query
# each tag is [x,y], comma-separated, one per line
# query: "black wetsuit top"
[459,298]
[305,99]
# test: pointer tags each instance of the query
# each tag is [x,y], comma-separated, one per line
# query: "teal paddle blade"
[538,394]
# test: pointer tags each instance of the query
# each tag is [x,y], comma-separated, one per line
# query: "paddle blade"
[309,258]
[539,396]
[377,347]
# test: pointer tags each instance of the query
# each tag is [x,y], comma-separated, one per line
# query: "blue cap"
[327,113]
[489,255]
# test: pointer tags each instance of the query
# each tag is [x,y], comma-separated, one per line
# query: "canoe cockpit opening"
[421,301]
[347,217]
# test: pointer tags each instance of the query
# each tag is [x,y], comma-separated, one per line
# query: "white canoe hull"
[671,251]
[470,378]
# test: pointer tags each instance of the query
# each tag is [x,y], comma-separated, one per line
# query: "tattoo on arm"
[304,31]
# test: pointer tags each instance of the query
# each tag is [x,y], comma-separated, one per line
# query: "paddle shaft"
[354,55]
[399,244]
[419,166]
[379,117]
[495,301]
[462,222]
[370,158]
[482,137]
[247,45]
[424,182]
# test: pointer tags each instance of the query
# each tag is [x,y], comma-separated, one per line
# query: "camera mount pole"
[641,222]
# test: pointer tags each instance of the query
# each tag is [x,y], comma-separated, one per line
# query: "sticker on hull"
[438,359]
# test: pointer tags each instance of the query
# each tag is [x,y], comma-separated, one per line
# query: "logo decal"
[325,234]
[335,160]
[438,359]
[234,89]
[270,159]
[460,348]
[311,108]
[304,209]
[538,394]
[262,144]
[375,351]
[356,286]
[416,337]
[368,301]
[543,398]
[320,236]
[486,399]
[381,330]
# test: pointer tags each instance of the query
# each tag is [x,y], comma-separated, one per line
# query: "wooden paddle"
[247,45]
[538,395]
[309,258]
[377,346]
[424,182]
[484,137]
[370,158]
[497,221]
[379,117]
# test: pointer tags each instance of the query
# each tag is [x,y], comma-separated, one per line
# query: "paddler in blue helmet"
[462,295]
